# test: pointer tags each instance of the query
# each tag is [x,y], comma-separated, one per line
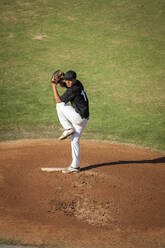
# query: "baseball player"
[74,117]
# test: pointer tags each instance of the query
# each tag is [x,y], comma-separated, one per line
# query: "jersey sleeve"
[67,96]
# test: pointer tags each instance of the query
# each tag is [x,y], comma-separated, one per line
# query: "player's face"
[68,83]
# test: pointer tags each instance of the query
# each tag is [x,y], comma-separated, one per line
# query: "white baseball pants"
[69,118]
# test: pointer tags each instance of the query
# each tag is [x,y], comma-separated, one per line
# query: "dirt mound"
[117,199]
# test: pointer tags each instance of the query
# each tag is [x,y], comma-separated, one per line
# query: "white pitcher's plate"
[52,169]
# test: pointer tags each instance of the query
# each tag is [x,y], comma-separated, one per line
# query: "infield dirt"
[116,201]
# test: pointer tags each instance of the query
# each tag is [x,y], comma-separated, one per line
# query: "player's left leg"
[68,118]
[64,113]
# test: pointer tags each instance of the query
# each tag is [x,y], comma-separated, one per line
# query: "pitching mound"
[117,200]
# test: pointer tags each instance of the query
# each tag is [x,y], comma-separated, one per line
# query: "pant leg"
[75,143]
[67,115]
[69,118]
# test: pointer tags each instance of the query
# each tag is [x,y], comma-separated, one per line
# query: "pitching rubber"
[52,169]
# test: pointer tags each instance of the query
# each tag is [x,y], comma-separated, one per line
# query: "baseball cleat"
[70,170]
[66,133]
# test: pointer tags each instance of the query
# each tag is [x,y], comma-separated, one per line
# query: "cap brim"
[67,78]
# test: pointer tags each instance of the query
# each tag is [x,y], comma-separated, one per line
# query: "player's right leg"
[75,143]
[75,146]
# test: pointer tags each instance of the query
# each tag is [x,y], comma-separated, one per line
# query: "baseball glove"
[58,78]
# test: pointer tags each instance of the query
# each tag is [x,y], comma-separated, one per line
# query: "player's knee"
[59,105]
[75,137]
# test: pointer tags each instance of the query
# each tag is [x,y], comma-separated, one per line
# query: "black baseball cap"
[69,75]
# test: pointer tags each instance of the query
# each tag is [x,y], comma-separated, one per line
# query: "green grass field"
[115,46]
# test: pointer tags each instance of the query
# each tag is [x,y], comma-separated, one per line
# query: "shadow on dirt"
[152,161]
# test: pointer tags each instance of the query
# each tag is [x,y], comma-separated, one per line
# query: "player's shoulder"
[78,85]
[76,88]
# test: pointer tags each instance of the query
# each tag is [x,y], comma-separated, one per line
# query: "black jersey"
[78,99]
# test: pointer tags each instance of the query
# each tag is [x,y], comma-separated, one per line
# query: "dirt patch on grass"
[39,37]
[117,199]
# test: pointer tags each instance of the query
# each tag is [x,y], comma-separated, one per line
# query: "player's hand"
[54,80]
[57,77]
